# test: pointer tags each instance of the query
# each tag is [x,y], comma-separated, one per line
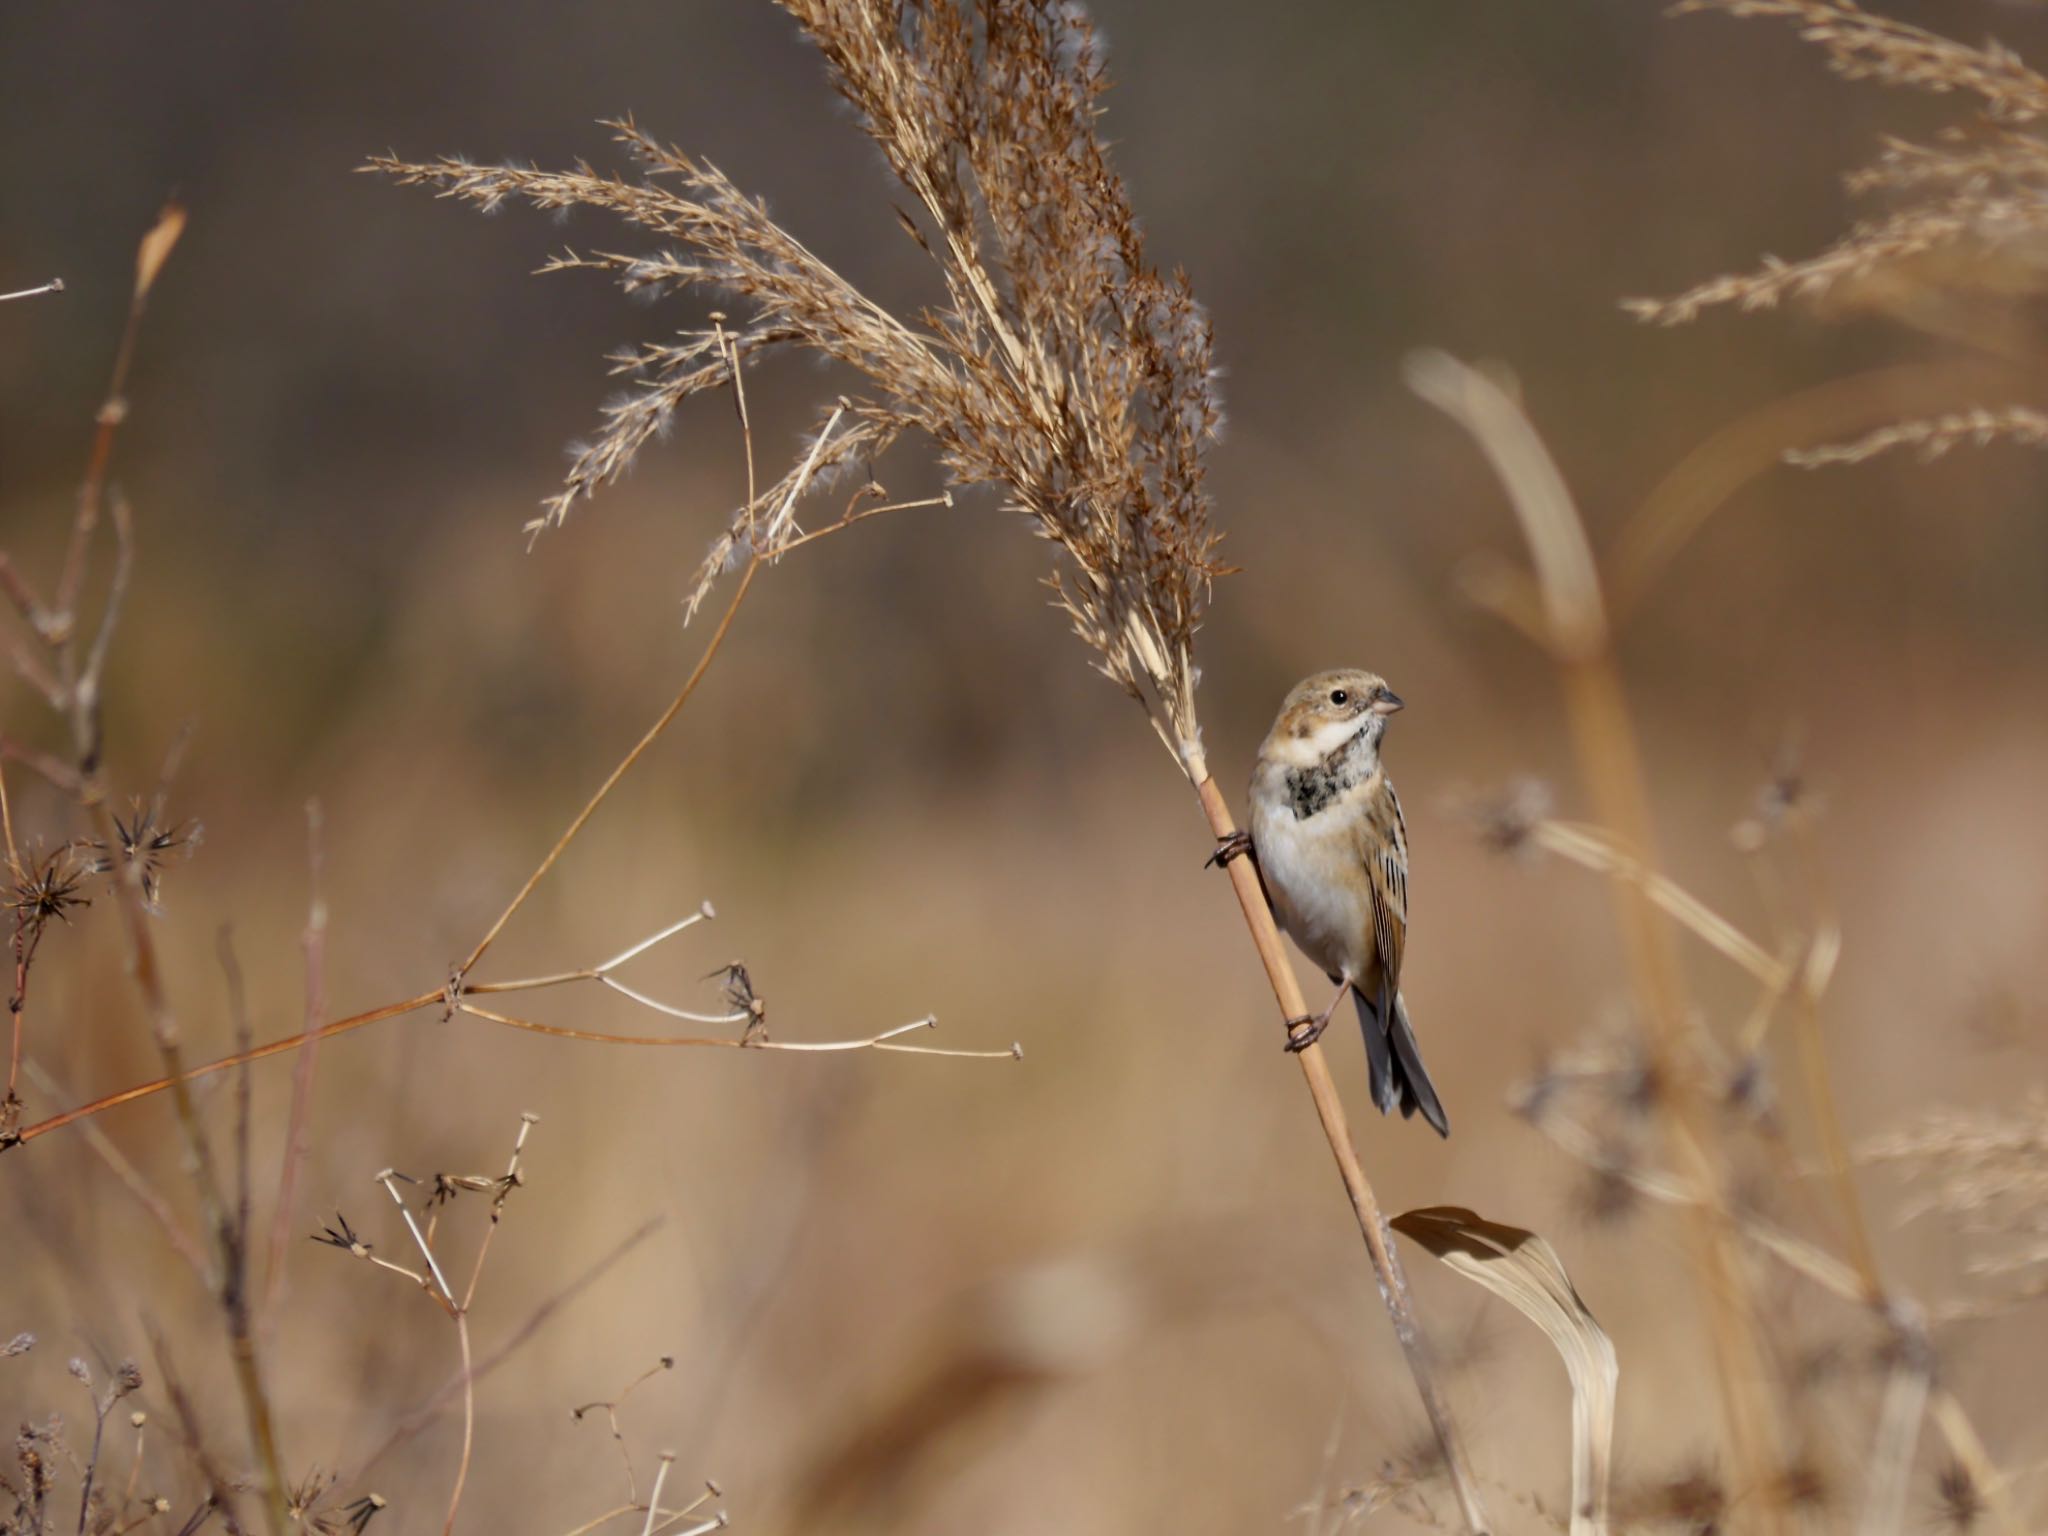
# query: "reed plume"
[1060,368]
[1963,241]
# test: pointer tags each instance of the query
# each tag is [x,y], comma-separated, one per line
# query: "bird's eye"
[1340,697]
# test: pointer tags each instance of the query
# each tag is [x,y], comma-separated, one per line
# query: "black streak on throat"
[1311,790]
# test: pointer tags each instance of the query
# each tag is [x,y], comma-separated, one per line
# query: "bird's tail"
[1398,1076]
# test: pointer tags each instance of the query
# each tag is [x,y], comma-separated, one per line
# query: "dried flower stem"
[314,943]
[72,683]
[653,734]
[54,285]
[667,1460]
[426,1412]
[1372,1224]
[885,1041]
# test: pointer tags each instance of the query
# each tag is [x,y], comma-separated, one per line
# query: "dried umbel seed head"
[145,841]
[1958,1501]
[1507,821]
[45,886]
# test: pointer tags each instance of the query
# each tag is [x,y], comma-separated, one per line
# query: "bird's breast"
[1316,879]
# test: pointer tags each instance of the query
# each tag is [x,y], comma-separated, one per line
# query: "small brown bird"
[1332,851]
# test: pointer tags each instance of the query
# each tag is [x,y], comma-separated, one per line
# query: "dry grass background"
[1108,1288]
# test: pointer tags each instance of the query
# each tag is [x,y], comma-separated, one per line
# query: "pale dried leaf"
[1525,1271]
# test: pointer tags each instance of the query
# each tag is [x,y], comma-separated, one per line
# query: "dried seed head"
[1958,1501]
[1605,1195]
[1748,1092]
[1506,822]
[1803,1485]
[46,885]
[1062,368]
[1694,1498]
[146,842]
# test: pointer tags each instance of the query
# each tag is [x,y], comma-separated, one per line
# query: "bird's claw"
[1305,1032]
[1235,846]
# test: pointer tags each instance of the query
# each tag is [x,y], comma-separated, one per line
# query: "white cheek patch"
[1329,736]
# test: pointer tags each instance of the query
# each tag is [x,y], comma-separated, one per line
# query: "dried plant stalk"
[1575,628]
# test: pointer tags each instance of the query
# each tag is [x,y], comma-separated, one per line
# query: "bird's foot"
[1305,1031]
[1235,846]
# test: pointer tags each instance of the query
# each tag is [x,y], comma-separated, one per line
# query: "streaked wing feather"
[1386,868]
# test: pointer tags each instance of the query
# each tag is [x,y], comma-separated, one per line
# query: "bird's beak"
[1385,702]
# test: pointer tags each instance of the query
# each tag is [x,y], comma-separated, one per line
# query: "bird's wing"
[1385,854]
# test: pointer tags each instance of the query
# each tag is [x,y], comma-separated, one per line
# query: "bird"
[1331,848]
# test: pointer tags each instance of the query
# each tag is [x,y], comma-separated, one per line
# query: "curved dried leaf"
[1525,1271]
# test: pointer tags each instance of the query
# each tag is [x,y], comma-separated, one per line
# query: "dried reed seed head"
[20,1344]
[1972,212]
[1932,436]
[1060,368]
[1861,46]
[1985,1174]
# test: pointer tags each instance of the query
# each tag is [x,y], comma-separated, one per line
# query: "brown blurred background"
[1113,1287]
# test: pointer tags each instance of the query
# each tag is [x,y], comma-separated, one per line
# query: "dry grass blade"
[1566,573]
[1525,1272]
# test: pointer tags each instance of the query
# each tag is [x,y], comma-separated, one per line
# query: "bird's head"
[1328,710]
